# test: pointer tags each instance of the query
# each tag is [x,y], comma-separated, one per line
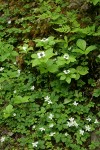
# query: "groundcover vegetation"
[49,74]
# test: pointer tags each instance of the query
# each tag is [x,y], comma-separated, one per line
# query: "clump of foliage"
[49,74]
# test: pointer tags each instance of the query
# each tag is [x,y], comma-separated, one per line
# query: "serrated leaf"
[81,44]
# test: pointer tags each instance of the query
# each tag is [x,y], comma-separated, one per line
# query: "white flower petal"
[51,116]
[81,132]
[47,98]
[42,129]
[15,91]
[66,134]
[33,127]
[96,121]
[9,22]
[88,119]
[44,39]
[1,68]
[52,134]
[87,128]
[49,102]
[2,139]
[75,103]
[14,114]
[71,119]
[66,71]
[35,144]
[41,54]
[66,56]
[51,125]
[24,48]
[33,87]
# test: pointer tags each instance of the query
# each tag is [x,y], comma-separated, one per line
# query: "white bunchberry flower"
[69,124]
[47,98]
[72,122]
[96,121]
[52,134]
[41,54]
[51,125]
[88,119]
[24,48]
[81,132]
[2,139]
[15,91]
[66,71]
[49,102]
[71,119]
[51,116]
[9,22]
[87,128]
[66,56]
[33,127]
[75,103]
[32,88]
[66,134]
[44,39]
[1,68]
[42,129]
[14,114]
[35,144]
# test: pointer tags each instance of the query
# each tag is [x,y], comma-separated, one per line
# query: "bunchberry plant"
[49,75]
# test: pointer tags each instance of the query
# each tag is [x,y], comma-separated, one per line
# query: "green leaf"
[8,110]
[81,44]
[66,42]
[65,29]
[82,70]
[68,80]
[89,49]
[60,61]
[19,99]
[53,68]
[63,77]
[73,75]
[95,1]
[35,62]
[72,59]
[66,100]
[78,51]
[96,92]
